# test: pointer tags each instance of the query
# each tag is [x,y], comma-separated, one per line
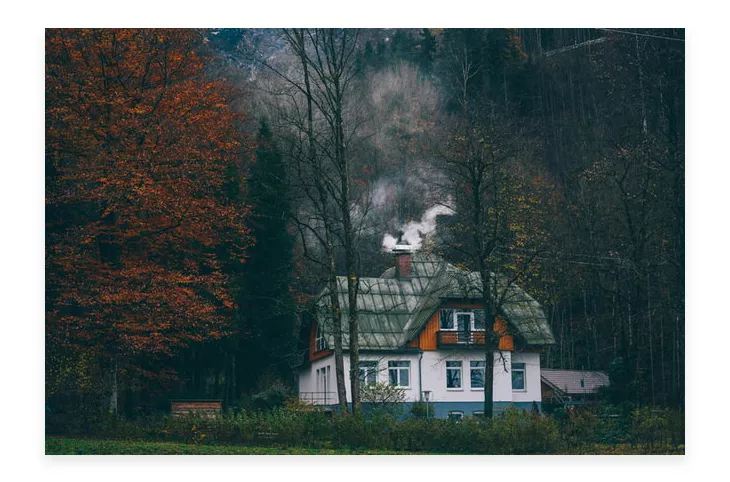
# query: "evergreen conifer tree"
[268,308]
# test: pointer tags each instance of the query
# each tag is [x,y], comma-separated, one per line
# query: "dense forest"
[203,186]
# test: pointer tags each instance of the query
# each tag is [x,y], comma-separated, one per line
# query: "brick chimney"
[402,254]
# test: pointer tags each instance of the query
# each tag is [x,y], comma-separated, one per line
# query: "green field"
[79,446]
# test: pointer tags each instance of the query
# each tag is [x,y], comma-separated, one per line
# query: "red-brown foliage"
[141,147]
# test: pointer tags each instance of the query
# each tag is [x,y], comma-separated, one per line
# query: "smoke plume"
[415,232]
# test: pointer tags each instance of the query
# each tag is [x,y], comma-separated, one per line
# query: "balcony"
[462,338]
[318,398]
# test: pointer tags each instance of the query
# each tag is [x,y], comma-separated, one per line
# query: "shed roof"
[392,311]
[569,381]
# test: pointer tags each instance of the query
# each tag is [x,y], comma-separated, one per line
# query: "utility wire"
[641,34]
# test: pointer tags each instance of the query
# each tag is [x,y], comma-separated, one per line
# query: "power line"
[641,34]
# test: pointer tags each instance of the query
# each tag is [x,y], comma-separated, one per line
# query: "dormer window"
[478,321]
[464,321]
[320,343]
[457,321]
[447,320]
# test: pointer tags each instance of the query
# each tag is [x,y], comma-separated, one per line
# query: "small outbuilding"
[561,386]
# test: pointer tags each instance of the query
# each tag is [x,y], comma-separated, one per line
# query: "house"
[421,328]
[571,386]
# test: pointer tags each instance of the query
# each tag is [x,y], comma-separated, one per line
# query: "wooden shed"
[203,408]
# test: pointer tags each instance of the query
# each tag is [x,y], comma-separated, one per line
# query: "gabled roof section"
[569,381]
[392,311]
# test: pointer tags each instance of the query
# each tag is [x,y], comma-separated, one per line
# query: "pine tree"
[268,309]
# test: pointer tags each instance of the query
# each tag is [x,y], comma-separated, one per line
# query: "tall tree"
[500,223]
[139,142]
[267,312]
[328,61]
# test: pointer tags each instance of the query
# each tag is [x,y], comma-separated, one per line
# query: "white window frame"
[470,314]
[398,370]
[459,415]
[521,367]
[461,374]
[483,370]
[473,324]
[478,413]
[322,383]
[320,343]
[370,368]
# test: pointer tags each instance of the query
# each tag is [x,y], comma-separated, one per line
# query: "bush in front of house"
[522,433]
[422,410]
[513,432]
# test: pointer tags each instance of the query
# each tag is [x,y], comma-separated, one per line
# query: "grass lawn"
[79,446]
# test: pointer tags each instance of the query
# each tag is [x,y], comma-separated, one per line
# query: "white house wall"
[532,377]
[433,371]
[434,376]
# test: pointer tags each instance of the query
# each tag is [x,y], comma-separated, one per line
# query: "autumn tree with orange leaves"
[141,151]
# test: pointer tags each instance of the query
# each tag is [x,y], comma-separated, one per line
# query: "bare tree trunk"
[297,41]
[114,398]
[337,335]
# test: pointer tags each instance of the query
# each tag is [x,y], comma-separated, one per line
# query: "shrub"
[513,432]
[580,428]
[517,432]
[656,426]
[274,396]
[422,410]
[383,398]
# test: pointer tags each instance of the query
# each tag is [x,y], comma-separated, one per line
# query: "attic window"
[464,321]
[447,320]
[320,343]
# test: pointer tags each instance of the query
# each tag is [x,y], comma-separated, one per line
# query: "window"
[368,372]
[456,415]
[478,414]
[447,320]
[479,321]
[399,373]
[468,320]
[464,321]
[323,384]
[453,374]
[477,373]
[320,343]
[518,376]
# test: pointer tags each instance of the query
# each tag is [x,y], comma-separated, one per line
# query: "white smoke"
[389,242]
[415,232]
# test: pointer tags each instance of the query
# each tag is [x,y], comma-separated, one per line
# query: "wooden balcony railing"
[459,338]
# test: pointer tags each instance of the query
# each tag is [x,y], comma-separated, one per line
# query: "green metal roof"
[393,311]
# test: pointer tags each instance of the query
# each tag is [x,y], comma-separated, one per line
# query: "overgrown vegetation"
[610,430]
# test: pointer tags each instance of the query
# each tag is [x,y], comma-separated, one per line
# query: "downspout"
[420,378]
